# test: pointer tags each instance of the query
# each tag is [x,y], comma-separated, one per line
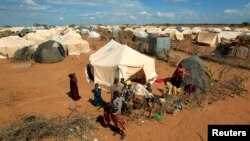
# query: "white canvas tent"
[207,38]
[196,30]
[173,33]
[43,33]
[117,60]
[140,34]
[85,31]
[129,29]
[228,35]
[34,38]
[72,33]
[226,29]
[94,35]
[154,30]
[9,45]
[241,29]
[75,45]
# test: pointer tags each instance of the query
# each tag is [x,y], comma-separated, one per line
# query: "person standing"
[73,87]
[98,101]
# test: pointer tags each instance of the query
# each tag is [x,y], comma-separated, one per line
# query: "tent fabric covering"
[207,38]
[49,52]
[198,79]
[115,60]
[9,45]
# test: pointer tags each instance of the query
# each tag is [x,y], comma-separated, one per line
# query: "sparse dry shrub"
[5,33]
[227,84]
[24,54]
[36,127]
[223,49]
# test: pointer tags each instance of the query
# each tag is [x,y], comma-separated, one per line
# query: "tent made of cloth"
[34,38]
[140,34]
[94,35]
[71,33]
[75,45]
[196,30]
[154,30]
[173,33]
[207,38]
[43,33]
[241,29]
[49,52]
[115,60]
[194,73]
[9,45]
[228,35]
[226,29]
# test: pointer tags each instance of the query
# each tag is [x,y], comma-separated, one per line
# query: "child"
[97,95]
[116,115]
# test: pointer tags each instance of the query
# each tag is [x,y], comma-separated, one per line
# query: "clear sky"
[62,12]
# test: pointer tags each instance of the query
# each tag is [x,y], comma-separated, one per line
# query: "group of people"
[120,94]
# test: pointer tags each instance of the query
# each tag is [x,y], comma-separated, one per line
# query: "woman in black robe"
[73,87]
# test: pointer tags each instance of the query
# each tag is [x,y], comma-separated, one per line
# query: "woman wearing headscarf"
[73,87]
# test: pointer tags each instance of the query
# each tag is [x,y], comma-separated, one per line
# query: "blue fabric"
[97,97]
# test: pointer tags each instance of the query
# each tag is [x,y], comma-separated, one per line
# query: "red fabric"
[106,118]
[159,80]
[118,121]
[181,72]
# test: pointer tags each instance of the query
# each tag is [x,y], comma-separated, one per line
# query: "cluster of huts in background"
[71,42]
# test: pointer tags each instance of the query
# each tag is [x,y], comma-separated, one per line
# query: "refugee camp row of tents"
[71,42]
[210,36]
[206,36]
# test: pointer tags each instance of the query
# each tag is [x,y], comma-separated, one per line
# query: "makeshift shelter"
[94,35]
[71,33]
[207,38]
[154,30]
[34,38]
[49,52]
[75,46]
[192,76]
[241,30]
[196,30]
[114,30]
[140,34]
[227,35]
[159,46]
[216,30]
[9,45]
[187,33]
[226,29]
[85,31]
[57,38]
[173,33]
[115,60]
[129,29]
[43,33]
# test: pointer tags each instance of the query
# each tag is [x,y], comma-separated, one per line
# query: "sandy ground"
[43,88]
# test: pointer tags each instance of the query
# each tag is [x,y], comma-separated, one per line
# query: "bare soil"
[42,88]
